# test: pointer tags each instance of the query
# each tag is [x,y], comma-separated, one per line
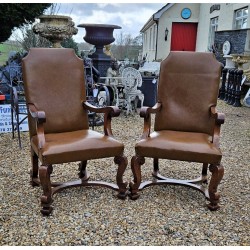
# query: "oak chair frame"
[217,170]
[40,175]
[187,125]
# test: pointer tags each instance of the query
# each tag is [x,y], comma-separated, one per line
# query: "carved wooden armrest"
[219,120]
[109,112]
[40,118]
[219,117]
[109,109]
[146,112]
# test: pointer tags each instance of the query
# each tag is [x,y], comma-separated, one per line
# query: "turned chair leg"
[156,166]
[217,174]
[46,199]
[136,163]
[83,174]
[34,169]
[204,173]
[122,162]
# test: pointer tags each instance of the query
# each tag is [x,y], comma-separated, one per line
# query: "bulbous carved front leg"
[46,199]
[217,174]
[122,164]
[136,163]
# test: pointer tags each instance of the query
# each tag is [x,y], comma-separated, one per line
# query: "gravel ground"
[163,215]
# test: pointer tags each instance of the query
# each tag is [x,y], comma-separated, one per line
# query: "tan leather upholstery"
[56,89]
[188,87]
[77,145]
[54,83]
[183,146]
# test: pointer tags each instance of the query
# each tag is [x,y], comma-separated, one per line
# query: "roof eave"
[156,16]
[148,24]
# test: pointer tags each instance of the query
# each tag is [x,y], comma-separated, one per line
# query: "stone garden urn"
[55,28]
[99,35]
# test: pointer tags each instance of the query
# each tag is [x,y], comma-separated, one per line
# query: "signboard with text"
[5,119]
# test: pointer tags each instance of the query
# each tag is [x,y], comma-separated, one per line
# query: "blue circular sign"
[186,13]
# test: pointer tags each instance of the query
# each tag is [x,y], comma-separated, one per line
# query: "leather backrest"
[188,87]
[54,83]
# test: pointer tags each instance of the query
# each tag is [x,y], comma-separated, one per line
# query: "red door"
[183,36]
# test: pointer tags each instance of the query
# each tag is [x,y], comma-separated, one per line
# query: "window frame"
[240,18]
[151,38]
[213,26]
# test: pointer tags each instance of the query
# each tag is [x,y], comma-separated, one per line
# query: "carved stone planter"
[55,28]
[240,59]
[99,35]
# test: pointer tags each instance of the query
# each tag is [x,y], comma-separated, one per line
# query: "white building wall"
[201,15]
[149,42]
[225,21]
[226,18]
[203,27]
[173,14]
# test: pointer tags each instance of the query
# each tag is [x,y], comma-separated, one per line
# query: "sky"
[130,16]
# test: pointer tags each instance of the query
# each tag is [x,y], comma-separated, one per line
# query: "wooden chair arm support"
[40,118]
[113,110]
[146,112]
[219,117]
[38,115]
[109,112]
[219,120]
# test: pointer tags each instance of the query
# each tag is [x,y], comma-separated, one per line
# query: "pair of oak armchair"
[187,126]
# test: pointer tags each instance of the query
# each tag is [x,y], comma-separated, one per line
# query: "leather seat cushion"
[76,146]
[177,145]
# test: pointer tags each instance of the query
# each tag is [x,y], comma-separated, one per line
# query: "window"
[241,18]
[212,29]
[145,42]
[150,39]
[154,37]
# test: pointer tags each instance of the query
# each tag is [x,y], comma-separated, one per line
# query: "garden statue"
[111,73]
[112,79]
[107,50]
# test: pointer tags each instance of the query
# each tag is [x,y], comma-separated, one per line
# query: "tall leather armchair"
[187,125]
[58,122]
